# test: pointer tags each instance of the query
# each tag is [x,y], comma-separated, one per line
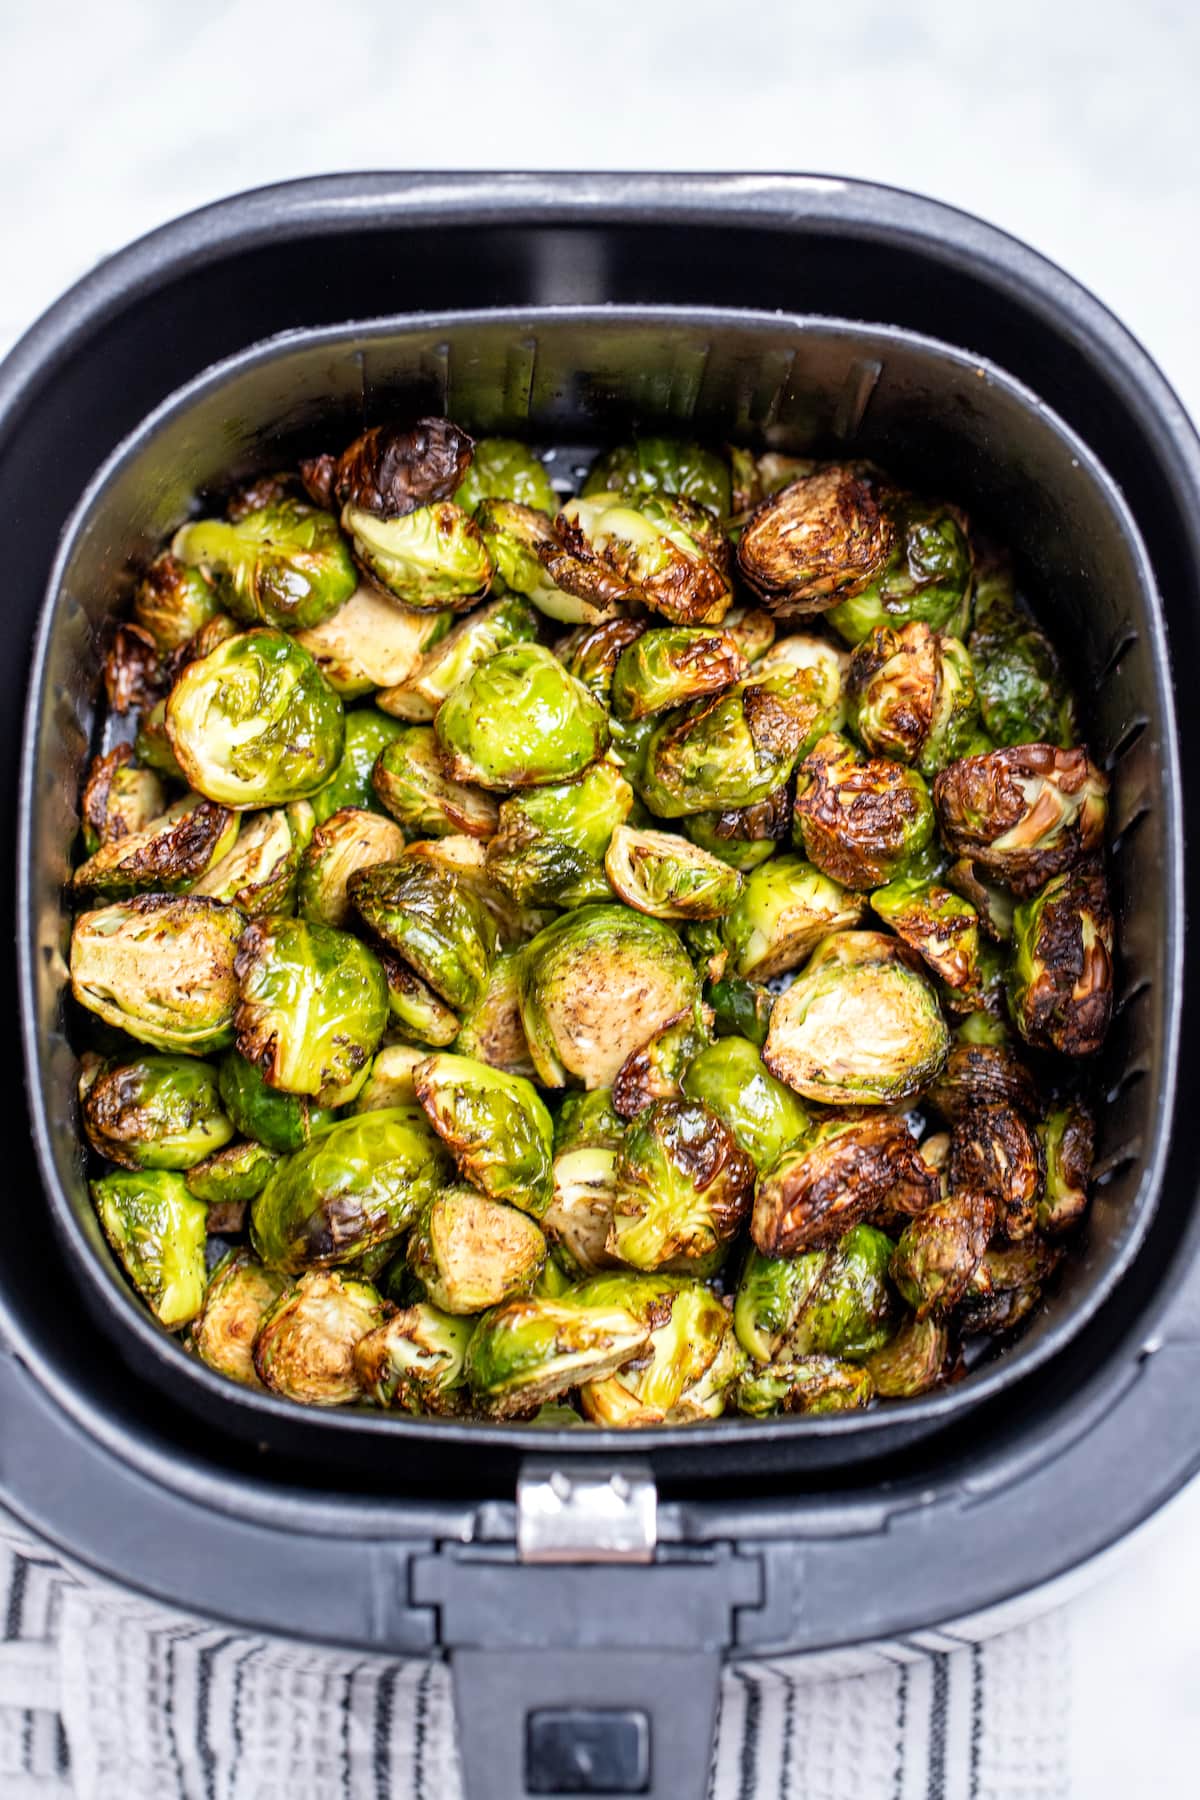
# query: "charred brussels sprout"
[743,836]
[239,1295]
[492,1031]
[158,1232]
[682,1189]
[432,559]
[230,1177]
[312,1007]
[860,1024]
[367,735]
[411,780]
[741,1008]
[160,1112]
[940,1250]
[851,1311]
[452,659]
[655,1069]
[1060,981]
[349,840]
[168,856]
[1006,1287]
[772,1294]
[942,928]
[160,969]
[595,986]
[926,578]
[503,469]
[134,673]
[305,1345]
[371,642]
[823,535]
[669,552]
[993,904]
[433,921]
[833,1178]
[392,469]
[672,665]
[592,653]
[752,630]
[1022,694]
[357,1185]
[284,565]
[172,602]
[994,1152]
[692,1357]
[469,1252]
[527,1351]
[259,874]
[530,559]
[495,1125]
[255,723]
[278,1121]
[119,799]
[1025,814]
[730,1078]
[588,1118]
[656,465]
[1068,1138]
[861,819]
[550,846]
[982,1073]
[913,1362]
[912,697]
[804,1384]
[784,910]
[519,720]
[415,1361]
[579,1217]
[662,874]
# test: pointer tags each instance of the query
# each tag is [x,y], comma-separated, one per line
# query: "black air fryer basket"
[586,1569]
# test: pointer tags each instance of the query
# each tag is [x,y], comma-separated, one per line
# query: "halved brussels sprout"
[833,1178]
[658,465]
[495,1125]
[472,641]
[595,986]
[682,1189]
[591,653]
[172,602]
[1022,694]
[940,1249]
[804,1384]
[662,874]
[689,1335]
[465,859]
[306,1342]
[752,630]
[159,1112]
[255,723]
[913,1362]
[670,552]
[152,746]
[259,874]
[519,720]
[158,1232]
[470,1252]
[492,1031]
[230,1177]
[861,819]
[730,1078]
[980,1074]
[119,799]
[371,642]
[503,469]
[530,559]
[526,1351]
[671,665]
[825,663]
[549,848]
[926,578]
[1006,1287]
[851,1311]
[1061,979]
[367,734]
[1024,814]
[239,1295]
[349,840]
[392,469]
[161,969]
[357,1185]
[653,1071]
[284,565]
[784,910]
[772,1294]
[1068,1140]
[994,1152]
[993,904]
[415,1361]
[942,928]
[823,535]
[912,696]
[417,1015]
[433,559]
[168,856]
[431,919]
[134,673]
[756,478]
[587,1118]
[579,1218]
[743,836]
[278,1121]
[410,779]
[706,947]
[553,1282]
[860,1024]
[390,1082]
[312,1007]
[741,1008]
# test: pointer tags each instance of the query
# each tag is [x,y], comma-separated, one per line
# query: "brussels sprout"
[469,1252]
[284,565]
[1060,983]
[743,836]
[772,1294]
[859,1024]
[981,1074]
[940,1249]
[530,559]
[360,1183]
[833,1178]
[371,642]
[926,578]
[527,1351]
[851,1311]
[160,1112]
[417,1015]
[496,1127]
[368,733]
[257,491]
[729,1077]
[825,663]
[1022,694]
[823,535]
[390,1083]
[807,1384]
[752,630]
[671,665]
[549,849]
[665,876]
[588,1118]
[994,1152]
[706,947]
[683,1188]
[348,840]
[595,986]
[158,1232]
[591,653]
[942,928]
[278,1121]
[756,478]
[312,1007]
[454,657]
[689,1334]
[433,921]
[860,819]
[784,910]
[432,559]
[306,1342]
[392,469]
[172,602]
[161,969]
[239,1295]
[670,552]
[1006,1287]
[119,799]
[993,905]
[519,720]
[657,465]
[653,1071]
[1068,1140]
[553,1282]
[913,1362]
[924,1180]
[912,696]
[259,874]
[579,1218]
[415,1360]
[1025,814]
[465,860]
[230,1177]
[491,1030]
[741,1009]
[255,723]
[411,780]
[503,469]
[134,673]
[169,855]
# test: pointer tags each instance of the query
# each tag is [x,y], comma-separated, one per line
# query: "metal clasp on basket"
[600,1515]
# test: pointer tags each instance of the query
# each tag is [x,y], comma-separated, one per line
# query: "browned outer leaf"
[820,540]
[994,1151]
[813,1195]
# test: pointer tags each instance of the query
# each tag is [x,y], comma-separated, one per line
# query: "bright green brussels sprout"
[491,1030]
[657,465]
[470,1252]
[158,1232]
[1022,694]
[348,840]
[671,665]
[912,696]
[433,921]
[803,1384]
[860,819]
[1060,982]
[926,578]
[168,856]
[588,1117]
[743,836]
[526,1351]
[683,1189]
[173,601]
[1025,814]
[306,1342]
[669,551]
[416,1014]
[940,1249]
[495,1125]
[1068,1140]
[283,565]
[591,653]
[519,720]
[595,986]
[914,1361]
[821,536]
[503,469]
[833,1178]
[730,1078]
[432,559]
[706,947]
[860,1024]
[368,733]
[851,1311]
[993,1151]
[549,848]
[552,1283]
[689,1331]
[230,1177]
[359,1184]
[654,1070]
[741,1008]
[239,1295]
[312,1007]
[158,1112]
[530,559]
[784,910]
[372,642]
[278,1121]
[410,779]
[119,799]
[942,928]
[662,874]
[472,641]
[255,723]
[415,1360]
[259,874]
[772,1294]
[390,1082]
[161,969]
[579,1217]
[1006,1287]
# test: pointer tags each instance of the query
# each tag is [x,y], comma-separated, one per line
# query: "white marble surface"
[1074,126]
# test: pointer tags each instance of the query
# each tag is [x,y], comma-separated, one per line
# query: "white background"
[1073,125]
